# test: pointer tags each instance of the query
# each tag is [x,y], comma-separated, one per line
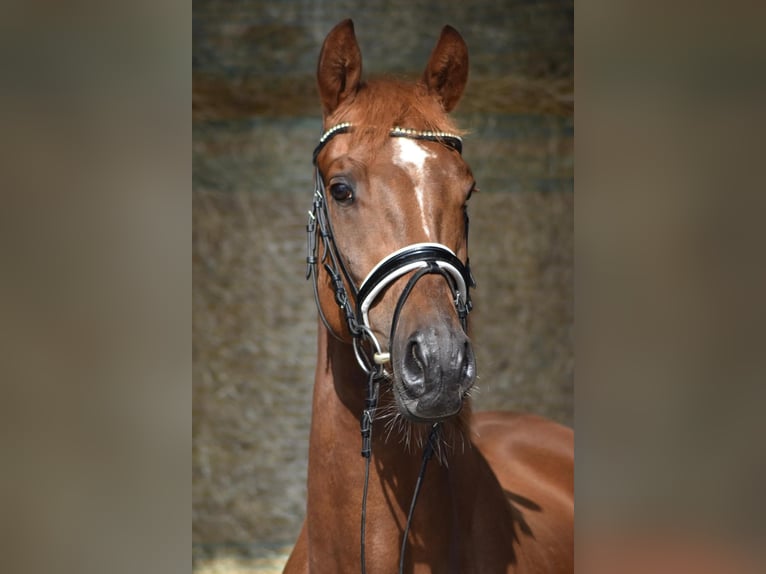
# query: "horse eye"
[341,192]
[471,191]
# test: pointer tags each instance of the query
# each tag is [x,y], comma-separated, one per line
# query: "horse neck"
[336,477]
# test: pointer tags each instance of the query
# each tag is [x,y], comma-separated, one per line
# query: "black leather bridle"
[437,258]
[420,259]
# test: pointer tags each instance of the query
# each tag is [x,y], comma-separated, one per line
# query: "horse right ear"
[447,71]
[340,67]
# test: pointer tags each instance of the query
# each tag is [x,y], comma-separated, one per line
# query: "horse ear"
[340,66]
[447,71]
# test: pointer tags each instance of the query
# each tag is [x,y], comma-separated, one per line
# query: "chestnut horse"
[388,255]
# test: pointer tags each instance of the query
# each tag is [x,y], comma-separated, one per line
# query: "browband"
[452,141]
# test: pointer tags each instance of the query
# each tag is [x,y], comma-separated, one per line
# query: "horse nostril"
[414,368]
[468,366]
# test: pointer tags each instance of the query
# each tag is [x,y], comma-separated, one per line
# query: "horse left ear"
[447,71]
[340,67]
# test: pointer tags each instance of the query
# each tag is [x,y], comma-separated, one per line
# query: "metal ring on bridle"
[361,358]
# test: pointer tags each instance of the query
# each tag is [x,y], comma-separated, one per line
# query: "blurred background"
[255,120]
[95,295]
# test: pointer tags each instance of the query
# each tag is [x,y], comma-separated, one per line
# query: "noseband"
[422,259]
[425,258]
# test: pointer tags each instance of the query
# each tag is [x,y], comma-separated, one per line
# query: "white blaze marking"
[411,156]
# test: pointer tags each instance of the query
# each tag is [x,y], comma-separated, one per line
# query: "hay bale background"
[255,122]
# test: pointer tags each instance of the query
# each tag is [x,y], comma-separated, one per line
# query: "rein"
[422,258]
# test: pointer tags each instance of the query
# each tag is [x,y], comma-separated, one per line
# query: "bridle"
[435,257]
[420,258]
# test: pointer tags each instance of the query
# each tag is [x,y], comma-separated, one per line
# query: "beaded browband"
[453,141]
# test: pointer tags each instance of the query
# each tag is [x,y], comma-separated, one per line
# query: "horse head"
[393,188]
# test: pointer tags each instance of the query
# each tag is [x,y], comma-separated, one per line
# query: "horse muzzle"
[433,368]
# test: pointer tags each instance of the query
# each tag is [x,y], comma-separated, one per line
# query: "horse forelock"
[382,104]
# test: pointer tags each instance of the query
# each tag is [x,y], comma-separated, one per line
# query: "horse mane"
[384,103]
